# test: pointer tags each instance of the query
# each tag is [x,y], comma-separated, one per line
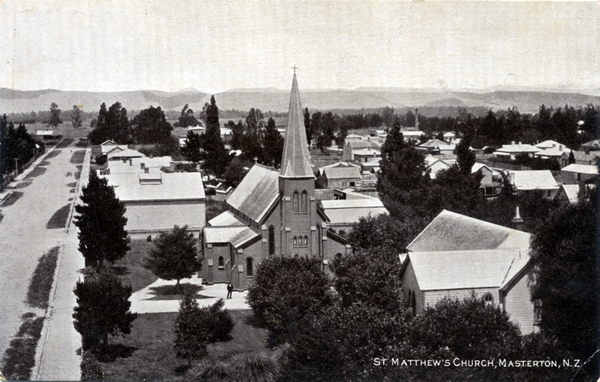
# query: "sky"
[213,46]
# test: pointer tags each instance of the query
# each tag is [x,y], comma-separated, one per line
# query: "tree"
[215,156]
[150,126]
[102,309]
[187,117]
[174,255]
[54,115]
[76,117]
[192,147]
[272,144]
[565,254]
[196,327]
[252,149]
[101,221]
[236,170]
[465,158]
[286,292]
[403,175]
[112,124]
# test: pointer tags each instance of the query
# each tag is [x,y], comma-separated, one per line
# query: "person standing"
[229,289]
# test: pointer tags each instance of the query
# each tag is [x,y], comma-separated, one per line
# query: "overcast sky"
[109,45]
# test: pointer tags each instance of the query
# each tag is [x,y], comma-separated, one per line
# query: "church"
[271,213]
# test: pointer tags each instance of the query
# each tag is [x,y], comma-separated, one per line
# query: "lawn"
[131,266]
[12,198]
[59,219]
[42,279]
[78,156]
[36,172]
[149,355]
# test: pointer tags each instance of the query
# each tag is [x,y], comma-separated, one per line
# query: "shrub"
[90,368]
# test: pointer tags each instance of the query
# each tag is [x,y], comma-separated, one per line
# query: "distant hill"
[526,100]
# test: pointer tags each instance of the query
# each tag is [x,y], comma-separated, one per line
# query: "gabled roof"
[581,168]
[450,231]
[236,236]
[434,144]
[108,142]
[533,180]
[518,148]
[127,153]
[257,192]
[366,151]
[582,157]
[295,162]
[226,219]
[548,144]
[349,211]
[361,144]
[571,192]
[344,172]
[466,269]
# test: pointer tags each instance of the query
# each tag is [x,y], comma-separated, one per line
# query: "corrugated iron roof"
[174,186]
[533,180]
[450,231]
[466,269]
[257,192]
[225,219]
[235,236]
[581,168]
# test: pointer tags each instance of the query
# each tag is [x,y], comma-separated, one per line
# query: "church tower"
[298,205]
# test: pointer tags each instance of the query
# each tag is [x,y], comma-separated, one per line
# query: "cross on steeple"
[295,67]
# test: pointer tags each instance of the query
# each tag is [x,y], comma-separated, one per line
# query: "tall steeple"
[295,162]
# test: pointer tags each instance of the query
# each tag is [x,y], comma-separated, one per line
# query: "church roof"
[349,211]
[257,192]
[467,269]
[450,231]
[235,236]
[225,219]
[295,161]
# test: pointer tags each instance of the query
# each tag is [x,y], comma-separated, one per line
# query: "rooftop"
[236,236]
[581,168]
[467,269]
[157,186]
[450,231]
[256,193]
[533,180]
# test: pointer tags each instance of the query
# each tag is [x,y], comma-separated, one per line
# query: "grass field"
[42,279]
[78,156]
[149,355]
[11,199]
[19,358]
[59,219]
[131,266]
[36,172]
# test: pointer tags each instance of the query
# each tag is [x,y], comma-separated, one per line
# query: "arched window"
[295,201]
[295,240]
[305,241]
[249,270]
[221,262]
[413,304]
[319,240]
[271,240]
[488,299]
[409,299]
[304,202]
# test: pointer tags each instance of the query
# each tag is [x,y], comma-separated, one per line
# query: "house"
[491,183]
[510,151]
[449,137]
[351,147]
[156,201]
[279,213]
[456,256]
[593,145]
[412,135]
[342,214]
[435,146]
[371,166]
[524,181]
[123,154]
[553,150]
[47,134]
[108,145]
[366,154]
[339,175]
[578,173]
[435,165]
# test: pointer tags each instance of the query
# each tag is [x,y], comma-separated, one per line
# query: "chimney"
[512,143]
[560,147]
[146,171]
[142,165]
[517,220]
[416,119]
[130,162]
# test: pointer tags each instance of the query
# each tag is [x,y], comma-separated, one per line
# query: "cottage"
[456,255]
[510,151]
[534,180]
[553,150]
[339,175]
[435,146]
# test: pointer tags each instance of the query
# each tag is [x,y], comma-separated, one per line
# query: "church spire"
[295,162]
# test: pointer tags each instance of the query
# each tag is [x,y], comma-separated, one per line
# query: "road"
[24,238]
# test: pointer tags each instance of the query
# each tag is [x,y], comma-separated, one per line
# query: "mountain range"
[276,100]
